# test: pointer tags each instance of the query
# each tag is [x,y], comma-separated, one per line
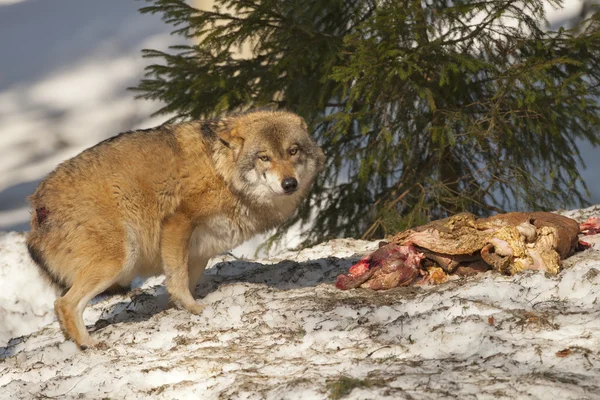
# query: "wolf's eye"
[293,151]
[264,158]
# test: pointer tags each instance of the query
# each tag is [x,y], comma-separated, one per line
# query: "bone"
[528,231]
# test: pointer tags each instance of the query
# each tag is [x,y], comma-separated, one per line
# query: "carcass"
[464,245]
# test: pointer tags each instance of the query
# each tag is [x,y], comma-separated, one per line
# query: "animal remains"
[462,244]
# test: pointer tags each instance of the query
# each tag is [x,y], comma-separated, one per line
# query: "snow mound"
[26,298]
[277,328]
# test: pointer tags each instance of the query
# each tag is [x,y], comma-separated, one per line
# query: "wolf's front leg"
[174,245]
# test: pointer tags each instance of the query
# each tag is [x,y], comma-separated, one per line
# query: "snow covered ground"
[277,328]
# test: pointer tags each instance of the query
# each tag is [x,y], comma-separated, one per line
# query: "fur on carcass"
[463,244]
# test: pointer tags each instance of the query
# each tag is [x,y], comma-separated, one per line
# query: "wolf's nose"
[289,184]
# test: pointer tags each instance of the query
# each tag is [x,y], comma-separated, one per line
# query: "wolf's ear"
[320,159]
[303,124]
[232,139]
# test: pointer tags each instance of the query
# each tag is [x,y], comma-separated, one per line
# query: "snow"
[25,298]
[277,328]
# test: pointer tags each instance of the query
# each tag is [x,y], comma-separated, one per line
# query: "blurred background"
[65,66]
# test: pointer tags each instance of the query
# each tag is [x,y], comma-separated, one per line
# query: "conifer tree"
[423,108]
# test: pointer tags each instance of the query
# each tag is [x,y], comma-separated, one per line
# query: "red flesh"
[591,226]
[402,261]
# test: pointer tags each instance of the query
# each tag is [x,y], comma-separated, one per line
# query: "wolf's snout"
[289,185]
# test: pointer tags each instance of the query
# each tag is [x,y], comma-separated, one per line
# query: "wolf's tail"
[38,257]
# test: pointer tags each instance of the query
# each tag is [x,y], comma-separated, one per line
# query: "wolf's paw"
[195,308]
[89,343]
[192,306]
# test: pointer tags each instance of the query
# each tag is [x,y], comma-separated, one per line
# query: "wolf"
[166,200]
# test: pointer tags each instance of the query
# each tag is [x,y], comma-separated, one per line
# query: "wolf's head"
[267,155]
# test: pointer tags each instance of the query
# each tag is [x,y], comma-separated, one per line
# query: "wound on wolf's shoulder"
[42,214]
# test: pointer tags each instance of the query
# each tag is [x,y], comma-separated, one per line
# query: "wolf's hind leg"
[175,239]
[89,282]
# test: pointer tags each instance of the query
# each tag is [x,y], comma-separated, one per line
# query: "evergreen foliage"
[423,108]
